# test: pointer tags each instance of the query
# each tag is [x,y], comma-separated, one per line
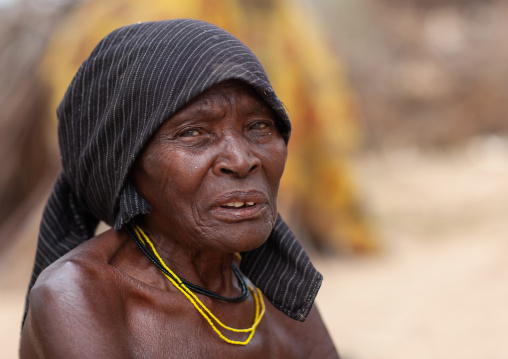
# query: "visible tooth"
[234,204]
[249,203]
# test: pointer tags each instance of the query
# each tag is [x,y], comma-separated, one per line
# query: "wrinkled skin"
[211,174]
[224,147]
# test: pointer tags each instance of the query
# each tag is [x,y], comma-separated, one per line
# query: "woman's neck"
[207,269]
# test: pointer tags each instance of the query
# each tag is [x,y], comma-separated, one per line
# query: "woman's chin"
[242,241]
[253,244]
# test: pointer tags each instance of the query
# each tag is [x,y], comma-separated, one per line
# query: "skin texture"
[106,299]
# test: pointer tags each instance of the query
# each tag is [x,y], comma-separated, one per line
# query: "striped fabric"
[134,80]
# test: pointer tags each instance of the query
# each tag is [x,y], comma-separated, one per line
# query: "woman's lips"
[240,205]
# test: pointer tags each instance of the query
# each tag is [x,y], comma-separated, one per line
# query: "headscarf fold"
[136,78]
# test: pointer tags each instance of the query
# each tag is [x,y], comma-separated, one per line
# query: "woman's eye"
[260,126]
[190,133]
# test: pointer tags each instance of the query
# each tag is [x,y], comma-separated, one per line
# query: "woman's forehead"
[222,95]
[231,86]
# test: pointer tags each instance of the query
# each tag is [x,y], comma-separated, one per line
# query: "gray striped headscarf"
[134,80]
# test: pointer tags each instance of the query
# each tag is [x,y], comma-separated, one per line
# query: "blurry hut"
[28,163]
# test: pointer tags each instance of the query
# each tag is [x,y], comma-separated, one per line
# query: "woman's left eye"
[260,126]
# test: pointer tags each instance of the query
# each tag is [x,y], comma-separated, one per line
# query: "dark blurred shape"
[23,100]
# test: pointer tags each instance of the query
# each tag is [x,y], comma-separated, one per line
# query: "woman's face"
[211,172]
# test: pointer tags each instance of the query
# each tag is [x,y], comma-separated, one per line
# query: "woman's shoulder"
[74,302]
[76,280]
[82,269]
[295,339]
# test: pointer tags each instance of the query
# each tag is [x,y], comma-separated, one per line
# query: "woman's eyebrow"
[195,113]
[257,108]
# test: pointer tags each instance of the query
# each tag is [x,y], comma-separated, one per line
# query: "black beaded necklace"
[195,288]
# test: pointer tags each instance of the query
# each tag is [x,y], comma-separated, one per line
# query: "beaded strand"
[199,306]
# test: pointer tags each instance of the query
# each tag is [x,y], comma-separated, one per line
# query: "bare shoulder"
[319,342]
[309,339]
[73,304]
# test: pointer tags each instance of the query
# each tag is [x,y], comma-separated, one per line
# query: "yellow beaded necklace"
[200,307]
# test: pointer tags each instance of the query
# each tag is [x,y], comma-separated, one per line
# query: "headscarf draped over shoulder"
[137,77]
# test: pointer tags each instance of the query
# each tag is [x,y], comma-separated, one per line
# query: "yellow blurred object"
[316,193]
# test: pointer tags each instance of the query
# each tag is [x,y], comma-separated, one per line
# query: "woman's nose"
[235,157]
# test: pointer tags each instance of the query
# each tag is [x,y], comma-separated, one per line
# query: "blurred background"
[397,177]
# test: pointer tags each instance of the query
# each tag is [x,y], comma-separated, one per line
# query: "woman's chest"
[186,334]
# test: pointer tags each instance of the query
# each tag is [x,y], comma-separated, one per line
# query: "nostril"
[228,171]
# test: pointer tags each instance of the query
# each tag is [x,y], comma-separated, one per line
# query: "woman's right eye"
[190,133]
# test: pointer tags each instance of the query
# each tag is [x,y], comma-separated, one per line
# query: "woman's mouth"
[238,204]
[240,211]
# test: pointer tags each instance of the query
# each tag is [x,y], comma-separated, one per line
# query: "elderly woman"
[171,133]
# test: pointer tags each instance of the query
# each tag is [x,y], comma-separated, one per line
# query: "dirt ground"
[437,289]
